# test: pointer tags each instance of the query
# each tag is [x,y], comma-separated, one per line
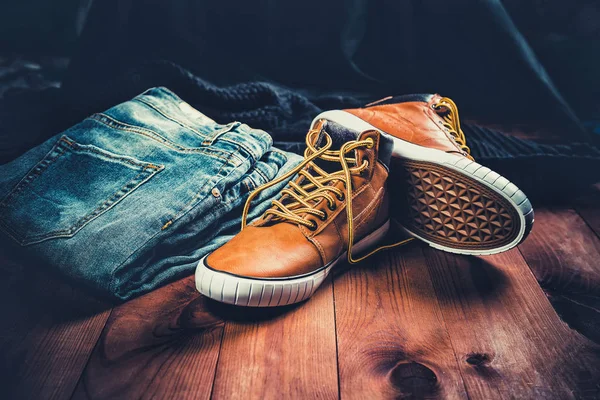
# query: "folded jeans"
[131,198]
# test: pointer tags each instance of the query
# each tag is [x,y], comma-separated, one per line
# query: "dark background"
[563,35]
[275,64]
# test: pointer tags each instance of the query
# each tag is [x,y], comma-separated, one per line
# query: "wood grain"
[162,345]
[288,352]
[508,340]
[48,331]
[588,206]
[564,255]
[392,338]
[409,323]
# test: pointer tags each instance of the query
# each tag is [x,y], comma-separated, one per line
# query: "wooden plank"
[588,206]
[48,332]
[287,352]
[508,340]
[162,345]
[564,255]
[392,339]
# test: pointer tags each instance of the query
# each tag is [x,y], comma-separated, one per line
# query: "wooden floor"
[409,323]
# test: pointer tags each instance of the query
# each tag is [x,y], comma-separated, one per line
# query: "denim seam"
[264,177]
[81,222]
[245,182]
[220,205]
[107,154]
[138,129]
[220,132]
[262,174]
[32,174]
[179,213]
[169,117]
[65,140]
[242,145]
[60,148]
[250,185]
[111,287]
[155,136]
[281,153]
[101,209]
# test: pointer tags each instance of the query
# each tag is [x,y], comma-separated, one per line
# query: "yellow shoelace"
[452,122]
[319,187]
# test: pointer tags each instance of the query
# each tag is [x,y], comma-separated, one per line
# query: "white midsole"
[406,150]
[255,292]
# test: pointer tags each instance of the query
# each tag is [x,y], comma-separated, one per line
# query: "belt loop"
[215,135]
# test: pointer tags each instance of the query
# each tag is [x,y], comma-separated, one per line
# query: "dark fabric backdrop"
[470,50]
[276,64]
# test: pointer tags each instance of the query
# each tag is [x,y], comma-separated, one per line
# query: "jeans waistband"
[254,142]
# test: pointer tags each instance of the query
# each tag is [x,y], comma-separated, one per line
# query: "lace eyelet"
[324,217]
[312,227]
[341,198]
[332,207]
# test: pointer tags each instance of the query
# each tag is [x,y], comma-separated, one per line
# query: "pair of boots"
[403,159]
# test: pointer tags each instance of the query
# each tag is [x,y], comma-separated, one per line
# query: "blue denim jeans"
[131,198]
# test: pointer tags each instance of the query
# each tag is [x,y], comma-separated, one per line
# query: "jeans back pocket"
[71,186]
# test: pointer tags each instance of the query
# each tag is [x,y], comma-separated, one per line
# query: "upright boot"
[336,207]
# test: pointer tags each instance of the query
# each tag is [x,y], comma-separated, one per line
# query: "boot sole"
[450,202]
[272,292]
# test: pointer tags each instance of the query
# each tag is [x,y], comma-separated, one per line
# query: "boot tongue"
[339,134]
